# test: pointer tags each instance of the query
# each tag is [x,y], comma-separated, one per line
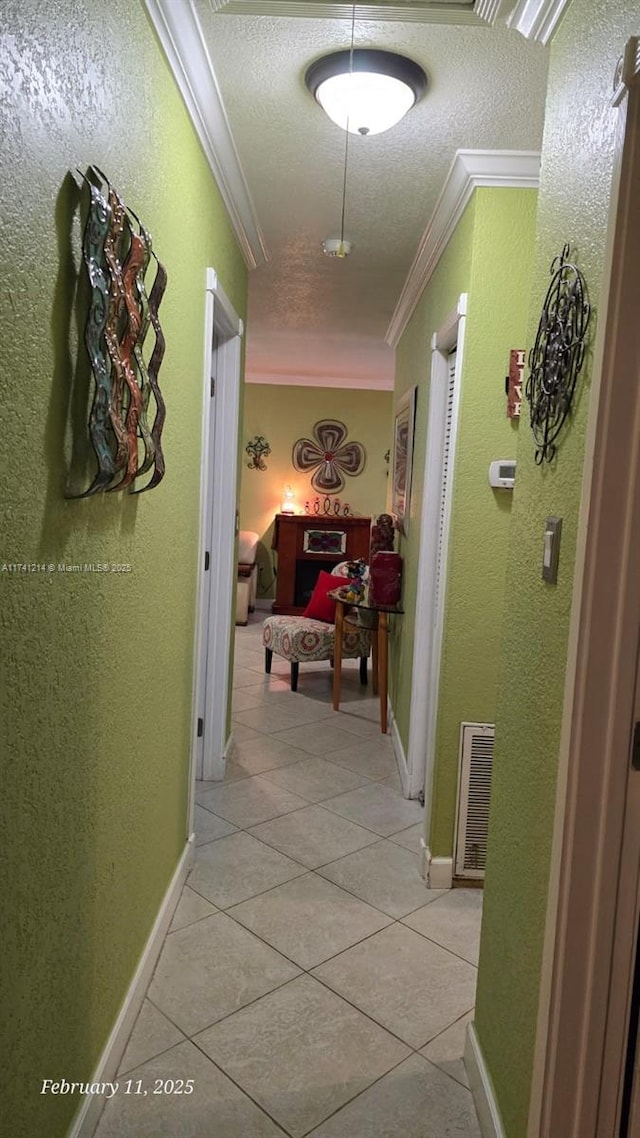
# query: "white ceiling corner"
[180,34]
[537,19]
[469,170]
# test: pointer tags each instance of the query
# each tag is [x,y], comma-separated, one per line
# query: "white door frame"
[574,1076]
[218,490]
[429,616]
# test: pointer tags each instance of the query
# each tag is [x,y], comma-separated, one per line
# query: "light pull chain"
[342,252]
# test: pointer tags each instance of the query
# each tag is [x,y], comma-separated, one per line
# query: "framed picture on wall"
[402,459]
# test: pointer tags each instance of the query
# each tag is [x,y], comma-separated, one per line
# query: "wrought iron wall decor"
[117,252]
[330,507]
[257,448]
[329,456]
[558,353]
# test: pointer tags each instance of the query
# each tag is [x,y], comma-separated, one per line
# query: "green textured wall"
[413,366]
[573,206]
[284,414]
[489,257]
[480,517]
[96,684]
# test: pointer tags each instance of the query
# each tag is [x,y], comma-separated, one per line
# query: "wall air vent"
[474,794]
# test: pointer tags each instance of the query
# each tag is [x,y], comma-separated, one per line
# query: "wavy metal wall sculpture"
[114,323]
[95,235]
[117,253]
[155,298]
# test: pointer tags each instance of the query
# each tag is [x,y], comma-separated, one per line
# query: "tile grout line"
[243,1092]
[306,972]
[457,955]
[308,873]
[193,1040]
[321,805]
[361,824]
[308,801]
[313,870]
[357,1096]
[318,802]
[131,1070]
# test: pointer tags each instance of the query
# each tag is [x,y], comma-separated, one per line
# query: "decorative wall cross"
[258,448]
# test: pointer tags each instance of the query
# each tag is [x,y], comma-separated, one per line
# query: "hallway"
[309,985]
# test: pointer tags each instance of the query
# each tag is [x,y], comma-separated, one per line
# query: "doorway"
[218,529]
[444,398]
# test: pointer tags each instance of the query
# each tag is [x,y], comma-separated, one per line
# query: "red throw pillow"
[322,607]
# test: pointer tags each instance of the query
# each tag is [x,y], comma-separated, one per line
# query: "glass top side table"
[377,621]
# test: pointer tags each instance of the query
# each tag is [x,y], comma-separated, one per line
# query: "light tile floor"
[309,984]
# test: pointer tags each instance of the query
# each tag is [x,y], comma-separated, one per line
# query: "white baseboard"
[424,861]
[230,749]
[439,870]
[398,750]
[482,1088]
[88,1114]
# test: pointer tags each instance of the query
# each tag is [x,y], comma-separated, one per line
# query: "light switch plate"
[551,549]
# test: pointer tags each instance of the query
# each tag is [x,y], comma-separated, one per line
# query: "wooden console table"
[307,543]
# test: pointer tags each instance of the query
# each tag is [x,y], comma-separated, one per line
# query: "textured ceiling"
[310,316]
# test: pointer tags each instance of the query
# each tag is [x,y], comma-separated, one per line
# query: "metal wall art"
[258,449]
[117,253]
[558,353]
[330,507]
[329,456]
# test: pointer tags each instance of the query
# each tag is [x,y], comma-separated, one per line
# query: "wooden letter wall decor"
[117,253]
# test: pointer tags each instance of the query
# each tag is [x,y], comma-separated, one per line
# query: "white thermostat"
[502,473]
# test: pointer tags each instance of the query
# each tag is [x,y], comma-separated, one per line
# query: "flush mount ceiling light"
[366,91]
[336,247]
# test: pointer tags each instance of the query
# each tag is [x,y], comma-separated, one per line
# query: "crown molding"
[537,19]
[491,10]
[287,379]
[180,34]
[469,170]
[480,12]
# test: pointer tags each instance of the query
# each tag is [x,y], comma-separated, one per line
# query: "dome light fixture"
[366,91]
[336,247]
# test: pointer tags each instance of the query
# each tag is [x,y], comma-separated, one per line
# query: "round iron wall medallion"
[558,353]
